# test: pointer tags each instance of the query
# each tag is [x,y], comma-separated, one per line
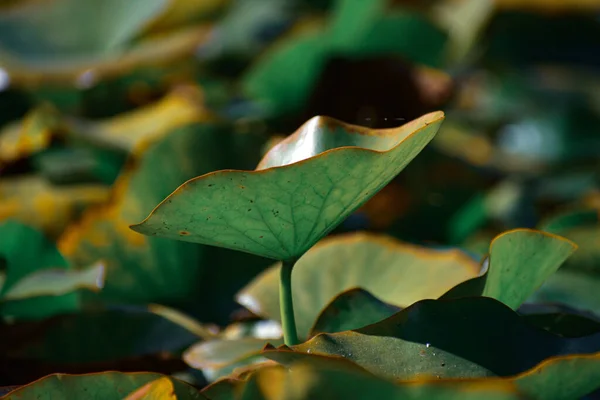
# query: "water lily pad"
[141,269]
[582,227]
[127,132]
[336,379]
[26,252]
[33,200]
[397,273]
[160,389]
[94,337]
[69,28]
[105,385]
[301,190]
[218,358]
[350,310]
[28,136]
[445,339]
[572,288]
[520,261]
[55,282]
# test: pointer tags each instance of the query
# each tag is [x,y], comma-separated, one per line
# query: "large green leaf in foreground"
[464,338]
[301,190]
[397,273]
[106,385]
[519,262]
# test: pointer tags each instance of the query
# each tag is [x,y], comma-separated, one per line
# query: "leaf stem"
[286,305]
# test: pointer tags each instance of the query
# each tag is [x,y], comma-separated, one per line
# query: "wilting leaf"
[105,385]
[301,190]
[218,358]
[350,310]
[463,338]
[55,282]
[127,132]
[47,31]
[397,273]
[29,136]
[160,389]
[35,201]
[335,379]
[101,336]
[520,261]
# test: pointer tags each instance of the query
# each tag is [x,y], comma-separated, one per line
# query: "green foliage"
[135,209]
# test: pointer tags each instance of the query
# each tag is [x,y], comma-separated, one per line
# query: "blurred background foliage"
[107,106]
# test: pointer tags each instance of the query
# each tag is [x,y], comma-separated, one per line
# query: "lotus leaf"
[284,207]
[397,273]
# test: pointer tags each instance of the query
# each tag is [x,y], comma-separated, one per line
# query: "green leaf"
[142,269]
[350,310]
[70,28]
[56,282]
[218,358]
[336,379]
[351,19]
[464,338]
[520,261]
[397,273]
[160,389]
[582,227]
[105,385]
[268,80]
[563,324]
[572,288]
[406,34]
[223,389]
[301,190]
[26,252]
[100,337]
[562,378]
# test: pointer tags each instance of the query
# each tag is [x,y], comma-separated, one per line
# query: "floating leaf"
[142,269]
[182,12]
[56,282]
[127,132]
[445,339]
[104,336]
[26,252]
[572,288]
[395,272]
[35,201]
[582,227]
[160,389]
[72,29]
[335,379]
[105,385]
[284,207]
[29,136]
[520,261]
[160,51]
[218,358]
[350,310]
